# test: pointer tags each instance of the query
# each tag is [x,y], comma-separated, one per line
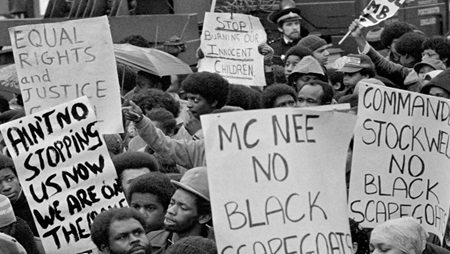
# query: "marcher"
[189,212]
[120,230]
[315,93]
[130,165]
[150,195]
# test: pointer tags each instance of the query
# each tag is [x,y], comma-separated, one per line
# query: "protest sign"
[379,10]
[65,171]
[229,43]
[400,158]
[58,62]
[277,180]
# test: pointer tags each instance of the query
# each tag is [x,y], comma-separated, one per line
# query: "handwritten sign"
[59,62]
[277,180]
[230,46]
[65,171]
[400,159]
[379,10]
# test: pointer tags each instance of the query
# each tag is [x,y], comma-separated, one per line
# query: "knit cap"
[193,245]
[7,216]
[9,245]
[312,42]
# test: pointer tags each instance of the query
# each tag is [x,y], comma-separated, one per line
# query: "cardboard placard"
[400,158]
[277,180]
[229,43]
[59,62]
[65,171]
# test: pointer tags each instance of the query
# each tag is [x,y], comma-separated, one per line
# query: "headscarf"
[404,233]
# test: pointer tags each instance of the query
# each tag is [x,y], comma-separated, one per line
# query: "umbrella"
[154,61]
[8,79]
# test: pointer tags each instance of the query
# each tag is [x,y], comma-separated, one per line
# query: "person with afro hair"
[408,47]
[120,230]
[130,165]
[390,35]
[205,92]
[278,95]
[193,245]
[437,47]
[150,195]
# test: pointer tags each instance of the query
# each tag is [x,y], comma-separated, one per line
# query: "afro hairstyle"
[152,98]
[244,97]
[394,31]
[272,92]
[441,45]
[134,160]
[155,183]
[211,86]
[102,222]
[411,44]
[193,245]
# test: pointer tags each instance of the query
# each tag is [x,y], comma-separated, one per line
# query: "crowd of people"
[160,160]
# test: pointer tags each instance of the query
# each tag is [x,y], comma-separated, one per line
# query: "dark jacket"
[280,47]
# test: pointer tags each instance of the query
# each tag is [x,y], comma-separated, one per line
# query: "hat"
[433,63]
[195,180]
[312,42]
[193,245]
[441,81]
[288,10]
[298,50]
[356,62]
[9,245]
[7,216]
[308,65]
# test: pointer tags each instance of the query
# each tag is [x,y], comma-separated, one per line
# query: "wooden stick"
[345,37]
[213,6]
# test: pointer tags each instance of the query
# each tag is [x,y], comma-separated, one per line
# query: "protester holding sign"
[408,46]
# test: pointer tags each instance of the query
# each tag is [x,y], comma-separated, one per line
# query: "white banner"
[229,43]
[58,62]
[400,158]
[65,171]
[277,180]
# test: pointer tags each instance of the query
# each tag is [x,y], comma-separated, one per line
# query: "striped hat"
[7,216]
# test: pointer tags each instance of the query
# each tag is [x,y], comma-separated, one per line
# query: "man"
[11,188]
[130,165]
[318,46]
[120,231]
[207,92]
[150,195]
[288,21]
[189,212]
[315,93]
